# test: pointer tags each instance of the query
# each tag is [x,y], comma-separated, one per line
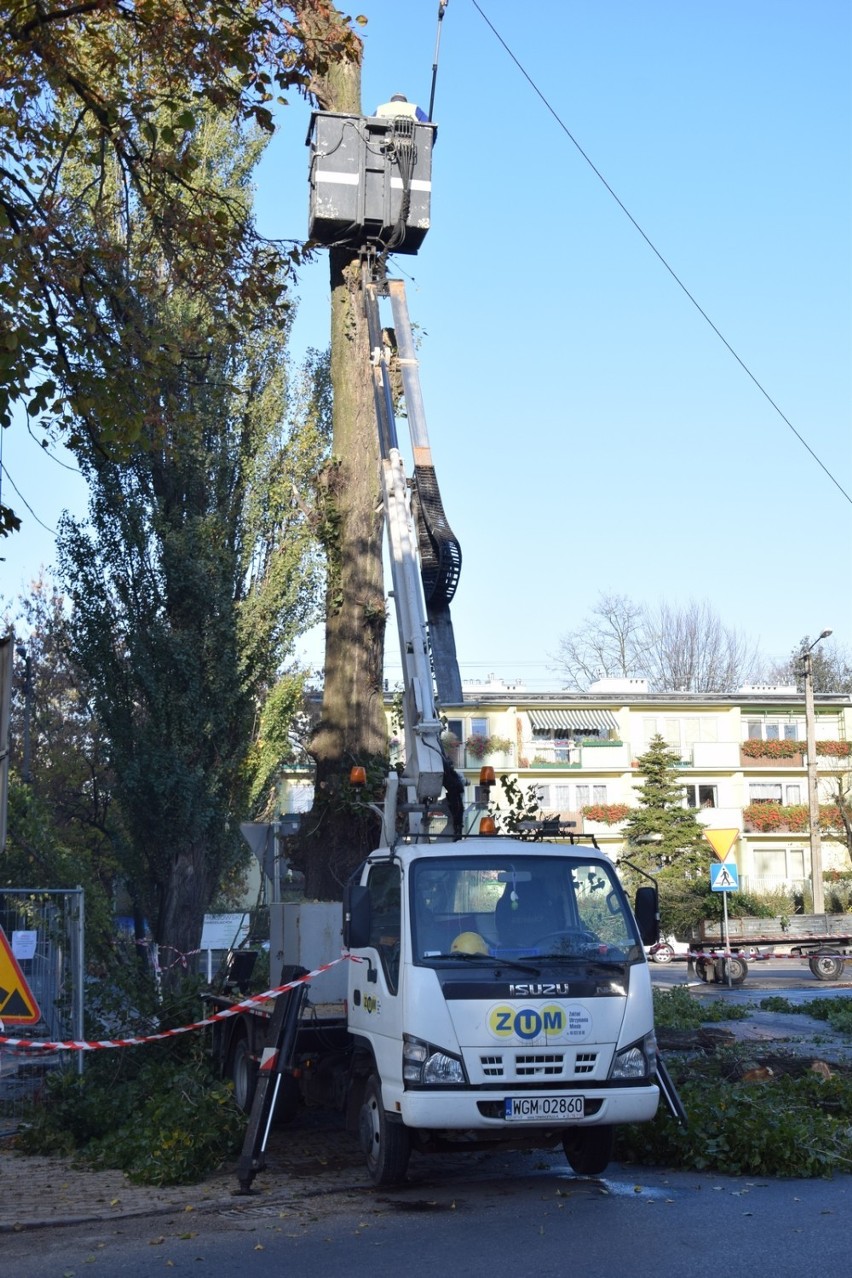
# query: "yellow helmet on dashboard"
[469,943]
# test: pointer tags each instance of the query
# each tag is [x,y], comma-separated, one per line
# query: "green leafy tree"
[195,575]
[665,839]
[112,93]
[831,664]
[63,827]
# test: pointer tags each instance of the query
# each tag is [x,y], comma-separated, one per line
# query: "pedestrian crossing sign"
[17,1004]
[724,877]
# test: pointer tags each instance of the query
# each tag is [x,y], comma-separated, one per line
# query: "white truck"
[498,988]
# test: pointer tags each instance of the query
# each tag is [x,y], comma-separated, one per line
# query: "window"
[701,796]
[787,729]
[562,797]
[582,795]
[386,918]
[598,794]
[793,794]
[680,733]
[456,727]
[764,792]
[478,727]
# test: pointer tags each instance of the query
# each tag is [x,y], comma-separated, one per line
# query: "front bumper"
[462,1110]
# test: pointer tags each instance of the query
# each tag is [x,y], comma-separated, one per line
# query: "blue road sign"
[724,877]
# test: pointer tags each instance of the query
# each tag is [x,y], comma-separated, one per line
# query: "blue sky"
[590,431]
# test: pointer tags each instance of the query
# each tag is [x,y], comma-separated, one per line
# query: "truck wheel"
[386,1145]
[663,954]
[734,967]
[588,1149]
[826,967]
[704,970]
[242,1071]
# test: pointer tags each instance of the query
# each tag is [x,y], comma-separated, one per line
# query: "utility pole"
[813,783]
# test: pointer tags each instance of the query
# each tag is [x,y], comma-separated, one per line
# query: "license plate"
[535,1108]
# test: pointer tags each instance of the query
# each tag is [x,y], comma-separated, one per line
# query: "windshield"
[475,909]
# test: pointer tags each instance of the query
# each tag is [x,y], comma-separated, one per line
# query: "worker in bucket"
[400,105]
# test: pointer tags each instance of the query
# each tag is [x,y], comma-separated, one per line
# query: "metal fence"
[45,928]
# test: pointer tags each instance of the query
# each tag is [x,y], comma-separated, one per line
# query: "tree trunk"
[185,896]
[352,728]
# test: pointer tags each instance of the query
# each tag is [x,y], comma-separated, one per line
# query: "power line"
[18,492]
[563,126]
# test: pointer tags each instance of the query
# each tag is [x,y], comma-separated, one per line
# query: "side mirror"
[647,911]
[357,916]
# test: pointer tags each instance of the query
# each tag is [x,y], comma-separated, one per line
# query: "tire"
[704,970]
[386,1145]
[826,967]
[735,968]
[663,954]
[242,1071]
[589,1149]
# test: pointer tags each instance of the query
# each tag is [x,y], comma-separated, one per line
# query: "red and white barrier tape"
[39,1044]
[748,956]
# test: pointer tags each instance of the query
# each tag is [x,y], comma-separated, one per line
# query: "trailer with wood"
[825,940]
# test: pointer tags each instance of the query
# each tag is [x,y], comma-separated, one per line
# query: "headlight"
[637,1061]
[425,1065]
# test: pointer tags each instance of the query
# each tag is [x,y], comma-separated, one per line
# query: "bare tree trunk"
[353,727]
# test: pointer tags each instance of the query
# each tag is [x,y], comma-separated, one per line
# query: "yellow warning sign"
[17,1005]
[721,841]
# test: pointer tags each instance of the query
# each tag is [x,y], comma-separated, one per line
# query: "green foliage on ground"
[155,1112]
[836,1011]
[676,1008]
[785,1125]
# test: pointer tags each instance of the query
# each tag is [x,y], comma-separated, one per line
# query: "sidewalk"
[315,1156]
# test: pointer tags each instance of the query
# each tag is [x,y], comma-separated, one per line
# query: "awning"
[573,720]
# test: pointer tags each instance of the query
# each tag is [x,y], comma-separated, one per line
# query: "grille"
[526,1065]
[539,1065]
[584,1062]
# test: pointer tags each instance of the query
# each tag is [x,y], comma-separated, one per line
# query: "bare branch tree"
[676,648]
[610,643]
[690,650]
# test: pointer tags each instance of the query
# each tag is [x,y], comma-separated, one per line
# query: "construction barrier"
[42,1045]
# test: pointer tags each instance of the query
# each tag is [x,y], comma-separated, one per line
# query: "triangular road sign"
[17,1005]
[721,841]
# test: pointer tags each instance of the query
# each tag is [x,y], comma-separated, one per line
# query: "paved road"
[525,1215]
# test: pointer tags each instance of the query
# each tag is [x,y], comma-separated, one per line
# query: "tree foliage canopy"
[112,91]
[194,577]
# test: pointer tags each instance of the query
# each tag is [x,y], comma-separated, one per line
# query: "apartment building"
[742,756]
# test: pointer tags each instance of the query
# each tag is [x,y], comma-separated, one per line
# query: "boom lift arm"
[425,560]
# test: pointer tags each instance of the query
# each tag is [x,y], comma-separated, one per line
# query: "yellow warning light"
[486,775]
[487,825]
[358,776]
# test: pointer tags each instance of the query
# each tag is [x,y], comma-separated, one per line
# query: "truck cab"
[499,993]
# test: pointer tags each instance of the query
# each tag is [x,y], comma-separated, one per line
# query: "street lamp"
[813,790]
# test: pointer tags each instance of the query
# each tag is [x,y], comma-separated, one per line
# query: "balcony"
[591,756]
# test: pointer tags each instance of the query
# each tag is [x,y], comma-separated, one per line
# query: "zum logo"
[527,1023]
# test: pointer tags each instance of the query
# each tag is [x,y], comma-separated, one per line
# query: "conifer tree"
[663,834]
